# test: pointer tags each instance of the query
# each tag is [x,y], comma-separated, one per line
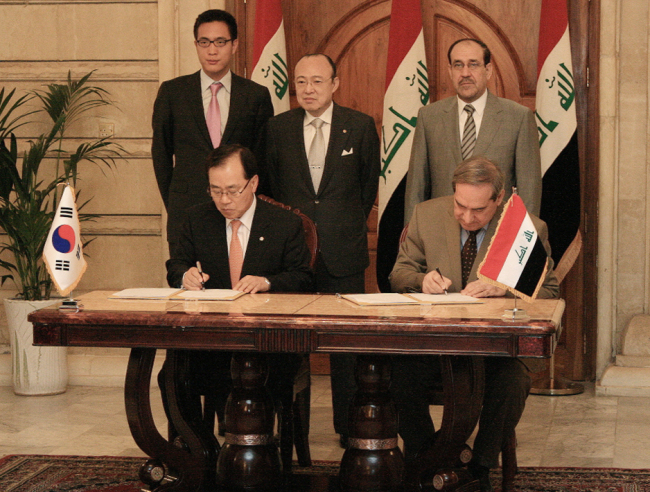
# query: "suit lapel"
[215,234]
[237,100]
[337,144]
[297,128]
[195,103]
[452,128]
[256,240]
[490,124]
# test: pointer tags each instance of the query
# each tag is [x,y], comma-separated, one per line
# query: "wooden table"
[303,323]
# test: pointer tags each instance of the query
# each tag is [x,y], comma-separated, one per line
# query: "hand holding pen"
[443,285]
[435,283]
[198,267]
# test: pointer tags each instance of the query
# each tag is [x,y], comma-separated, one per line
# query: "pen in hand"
[198,266]
[445,288]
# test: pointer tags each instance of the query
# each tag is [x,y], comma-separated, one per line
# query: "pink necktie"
[236,257]
[213,117]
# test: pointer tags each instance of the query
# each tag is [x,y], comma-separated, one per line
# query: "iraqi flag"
[407,90]
[516,259]
[270,53]
[63,252]
[558,139]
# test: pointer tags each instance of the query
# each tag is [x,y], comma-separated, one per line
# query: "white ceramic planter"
[36,370]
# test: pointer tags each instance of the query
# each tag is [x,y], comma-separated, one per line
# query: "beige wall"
[135,45]
[624,208]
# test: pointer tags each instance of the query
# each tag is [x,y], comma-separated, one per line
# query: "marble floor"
[583,430]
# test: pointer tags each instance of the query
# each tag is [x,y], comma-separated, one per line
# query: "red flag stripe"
[405,26]
[552,24]
[514,215]
[268,16]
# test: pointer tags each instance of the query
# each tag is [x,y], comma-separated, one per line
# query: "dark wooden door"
[355,34]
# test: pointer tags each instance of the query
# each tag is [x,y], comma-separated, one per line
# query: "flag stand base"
[515,315]
[556,387]
[552,386]
[71,305]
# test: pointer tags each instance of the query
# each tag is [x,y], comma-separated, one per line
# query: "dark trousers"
[506,388]
[341,365]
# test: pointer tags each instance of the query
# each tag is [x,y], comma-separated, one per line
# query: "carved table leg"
[373,461]
[189,463]
[249,459]
[443,466]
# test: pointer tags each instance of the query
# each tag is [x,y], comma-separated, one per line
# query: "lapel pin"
[345,131]
[261,238]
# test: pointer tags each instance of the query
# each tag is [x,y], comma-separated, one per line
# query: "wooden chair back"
[311,235]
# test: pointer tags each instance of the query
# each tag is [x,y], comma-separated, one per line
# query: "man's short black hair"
[221,154]
[487,56]
[216,15]
[329,60]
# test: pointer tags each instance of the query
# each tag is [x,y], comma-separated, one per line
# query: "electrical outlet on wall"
[106,130]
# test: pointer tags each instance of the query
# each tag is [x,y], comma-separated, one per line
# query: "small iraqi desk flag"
[516,259]
[63,252]
[270,53]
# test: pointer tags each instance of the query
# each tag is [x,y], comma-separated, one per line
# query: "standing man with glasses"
[323,159]
[473,123]
[194,114]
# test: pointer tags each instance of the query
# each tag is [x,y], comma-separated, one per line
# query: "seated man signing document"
[241,243]
[452,234]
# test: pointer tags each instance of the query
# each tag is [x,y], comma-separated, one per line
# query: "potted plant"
[29,189]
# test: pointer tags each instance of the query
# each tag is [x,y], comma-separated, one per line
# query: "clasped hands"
[434,283]
[249,284]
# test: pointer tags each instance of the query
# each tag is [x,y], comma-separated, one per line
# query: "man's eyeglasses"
[219,42]
[217,194]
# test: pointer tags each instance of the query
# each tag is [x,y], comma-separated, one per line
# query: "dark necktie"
[468,255]
[469,133]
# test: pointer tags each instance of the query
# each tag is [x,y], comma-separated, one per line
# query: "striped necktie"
[469,133]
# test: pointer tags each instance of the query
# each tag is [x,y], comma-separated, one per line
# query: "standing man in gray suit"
[474,122]
[194,114]
[324,159]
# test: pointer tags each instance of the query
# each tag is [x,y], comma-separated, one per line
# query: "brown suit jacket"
[433,240]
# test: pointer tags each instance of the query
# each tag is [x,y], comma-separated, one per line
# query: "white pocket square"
[347,152]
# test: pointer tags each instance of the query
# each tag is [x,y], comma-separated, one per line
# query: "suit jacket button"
[316,202]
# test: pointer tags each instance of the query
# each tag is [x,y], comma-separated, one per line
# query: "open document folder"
[178,294]
[386,299]
[209,295]
[144,293]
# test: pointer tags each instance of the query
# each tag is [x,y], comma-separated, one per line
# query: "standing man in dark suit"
[241,243]
[446,241]
[323,159]
[189,121]
[474,122]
